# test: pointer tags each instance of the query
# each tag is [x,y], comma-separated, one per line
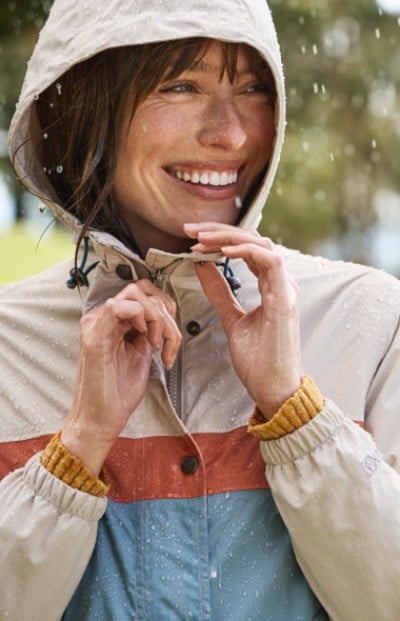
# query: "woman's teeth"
[207,178]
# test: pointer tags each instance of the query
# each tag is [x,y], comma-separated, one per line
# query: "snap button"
[193,328]
[123,271]
[189,464]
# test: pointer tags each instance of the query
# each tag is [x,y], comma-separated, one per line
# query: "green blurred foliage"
[342,66]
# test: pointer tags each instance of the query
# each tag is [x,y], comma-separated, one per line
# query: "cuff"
[63,465]
[298,410]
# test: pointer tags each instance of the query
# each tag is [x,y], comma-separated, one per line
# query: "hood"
[76,31]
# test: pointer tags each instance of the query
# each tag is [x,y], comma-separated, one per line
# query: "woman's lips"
[207,182]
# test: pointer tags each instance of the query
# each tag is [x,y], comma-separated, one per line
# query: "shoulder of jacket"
[303,265]
[53,278]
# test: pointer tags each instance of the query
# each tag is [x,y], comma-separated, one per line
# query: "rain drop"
[59,169]
[59,88]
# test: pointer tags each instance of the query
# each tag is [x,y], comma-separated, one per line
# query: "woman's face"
[194,147]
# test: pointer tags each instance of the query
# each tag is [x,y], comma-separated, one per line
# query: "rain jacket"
[202,521]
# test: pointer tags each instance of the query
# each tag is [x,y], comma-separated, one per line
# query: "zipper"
[172,377]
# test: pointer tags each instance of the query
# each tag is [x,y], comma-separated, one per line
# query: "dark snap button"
[193,328]
[189,464]
[124,272]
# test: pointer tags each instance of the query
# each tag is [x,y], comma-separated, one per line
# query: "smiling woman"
[194,144]
[166,382]
[210,93]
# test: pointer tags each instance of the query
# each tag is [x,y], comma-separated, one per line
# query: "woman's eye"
[179,87]
[260,87]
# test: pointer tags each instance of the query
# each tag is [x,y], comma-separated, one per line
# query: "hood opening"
[76,38]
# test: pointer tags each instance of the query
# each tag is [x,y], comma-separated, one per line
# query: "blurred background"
[337,193]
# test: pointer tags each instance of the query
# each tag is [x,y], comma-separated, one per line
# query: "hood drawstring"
[230,276]
[79,276]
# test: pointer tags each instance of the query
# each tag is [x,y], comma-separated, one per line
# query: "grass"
[23,252]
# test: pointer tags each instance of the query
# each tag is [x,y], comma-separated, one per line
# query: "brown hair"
[80,118]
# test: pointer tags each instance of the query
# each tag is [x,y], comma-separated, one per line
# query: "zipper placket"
[172,377]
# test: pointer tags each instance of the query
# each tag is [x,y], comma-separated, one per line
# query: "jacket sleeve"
[47,536]
[340,501]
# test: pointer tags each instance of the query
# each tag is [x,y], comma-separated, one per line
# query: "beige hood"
[75,31]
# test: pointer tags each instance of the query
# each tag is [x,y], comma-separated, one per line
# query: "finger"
[145,287]
[269,268]
[111,320]
[214,241]
[261,255]
[158,323]
[155,309]
[153,319]
[145,315]
[126,311]
[172,339]
[219,293]
[192,229]
[151,290]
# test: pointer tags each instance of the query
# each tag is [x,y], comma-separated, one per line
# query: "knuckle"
[144,284]
[277,261]
[132,289]
[268,243]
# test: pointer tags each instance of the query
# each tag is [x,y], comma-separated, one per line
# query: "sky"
[389,6]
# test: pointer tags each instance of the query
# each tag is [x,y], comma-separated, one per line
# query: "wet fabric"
[194,528]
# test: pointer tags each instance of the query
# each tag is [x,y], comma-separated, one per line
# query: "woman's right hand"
[117,340]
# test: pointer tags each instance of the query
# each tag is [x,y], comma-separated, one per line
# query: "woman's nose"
[222,127]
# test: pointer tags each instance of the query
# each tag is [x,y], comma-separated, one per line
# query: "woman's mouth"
[207,177]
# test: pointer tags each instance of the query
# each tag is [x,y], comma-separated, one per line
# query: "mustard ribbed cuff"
[298,410]
[60,462]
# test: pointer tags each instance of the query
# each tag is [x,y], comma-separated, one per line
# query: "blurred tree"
[19,24]
[342,65]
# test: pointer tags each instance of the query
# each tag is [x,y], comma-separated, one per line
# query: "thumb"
[218,293]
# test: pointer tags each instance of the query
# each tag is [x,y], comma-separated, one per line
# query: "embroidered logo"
[371,462]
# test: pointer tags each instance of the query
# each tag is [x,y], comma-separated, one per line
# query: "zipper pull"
[158,278]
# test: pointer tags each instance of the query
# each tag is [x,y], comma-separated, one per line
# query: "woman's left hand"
[264,342]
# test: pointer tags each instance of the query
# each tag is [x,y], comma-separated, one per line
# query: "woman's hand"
[116,344]
[265,342]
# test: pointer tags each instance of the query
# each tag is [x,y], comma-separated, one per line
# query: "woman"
[155,133]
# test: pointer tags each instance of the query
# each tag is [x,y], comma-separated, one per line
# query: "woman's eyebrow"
[202,66]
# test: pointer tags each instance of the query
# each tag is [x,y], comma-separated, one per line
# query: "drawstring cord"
[230,276]
[78,275]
